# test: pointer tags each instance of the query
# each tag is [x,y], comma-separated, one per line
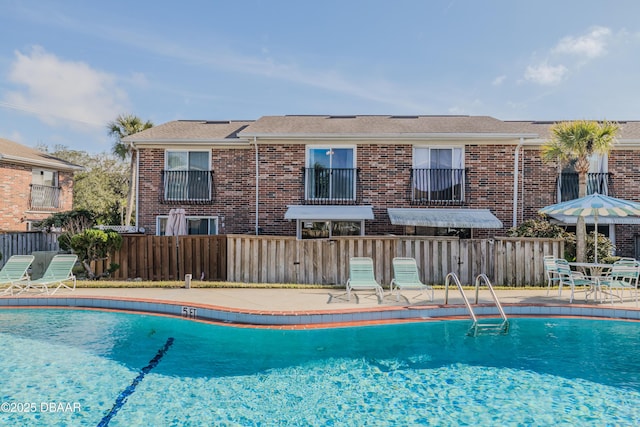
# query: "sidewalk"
[300,299]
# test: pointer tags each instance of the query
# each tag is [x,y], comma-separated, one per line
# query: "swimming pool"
[82,367]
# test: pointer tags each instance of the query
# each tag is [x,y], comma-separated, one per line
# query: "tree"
[123,126]
[578,141]
[101,187]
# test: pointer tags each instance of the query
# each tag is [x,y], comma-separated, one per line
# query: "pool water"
[80,367]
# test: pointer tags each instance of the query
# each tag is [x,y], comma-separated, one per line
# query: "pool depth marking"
[122,397]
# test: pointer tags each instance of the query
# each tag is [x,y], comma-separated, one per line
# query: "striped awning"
[452,218]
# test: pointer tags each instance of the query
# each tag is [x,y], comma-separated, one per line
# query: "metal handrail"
[493,294]
[464,297]
[504,326]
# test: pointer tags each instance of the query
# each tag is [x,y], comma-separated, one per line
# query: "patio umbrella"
[594,206]
[176,223]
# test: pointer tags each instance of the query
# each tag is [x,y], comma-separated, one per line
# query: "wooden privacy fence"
[25,243]
[167,258]
[275,259]
[271,259]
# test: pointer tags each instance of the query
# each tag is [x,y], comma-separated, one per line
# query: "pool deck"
[313,307]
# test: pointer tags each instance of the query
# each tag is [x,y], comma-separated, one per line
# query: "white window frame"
[300,224]
[167,168]
[427,165]
[215,219]
[329,147]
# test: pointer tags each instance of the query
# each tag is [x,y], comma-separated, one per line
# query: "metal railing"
[187,187]
[476,326]
[330,185]
[44,197]
[438,186]
[568,185]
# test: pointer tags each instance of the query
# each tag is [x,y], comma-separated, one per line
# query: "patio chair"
[551,272]
[14,273]
[406,276]
[574,279]
[623,276]
[58,272]
[361,277]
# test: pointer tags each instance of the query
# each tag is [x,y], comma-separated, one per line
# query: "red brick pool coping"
[308,319]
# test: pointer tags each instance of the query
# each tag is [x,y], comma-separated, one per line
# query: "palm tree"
[577,141]
[121,127]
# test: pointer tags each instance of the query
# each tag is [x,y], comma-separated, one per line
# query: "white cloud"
[498,80]
[545,74]
[63,92]
[591,45]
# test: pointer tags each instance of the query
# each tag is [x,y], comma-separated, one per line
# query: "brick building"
[34,185]
[324,176]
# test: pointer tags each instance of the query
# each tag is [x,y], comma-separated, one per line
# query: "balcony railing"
[567,185]
[44,197]
[438,186]
[187,187]
[330,185]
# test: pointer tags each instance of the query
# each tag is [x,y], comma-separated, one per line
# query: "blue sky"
[67,67]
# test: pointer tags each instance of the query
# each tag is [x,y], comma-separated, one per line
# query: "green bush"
[537,228]
[544,229]
[94,245]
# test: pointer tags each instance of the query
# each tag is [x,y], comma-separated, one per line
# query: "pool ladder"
[477,327]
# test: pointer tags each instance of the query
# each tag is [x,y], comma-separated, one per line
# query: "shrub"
[95,245]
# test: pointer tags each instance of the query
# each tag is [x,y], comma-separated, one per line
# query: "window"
[327,229]
[597,178]
[45,192]
[438,174]
[330,173]
[187,176]
[196,225]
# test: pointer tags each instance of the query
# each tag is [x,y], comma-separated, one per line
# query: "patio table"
[595,271]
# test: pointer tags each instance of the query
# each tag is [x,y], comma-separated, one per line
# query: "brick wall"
[384,181]
[234,180]
[15,193]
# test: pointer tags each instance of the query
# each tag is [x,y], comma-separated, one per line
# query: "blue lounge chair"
[362,277]
[59,271]
[405,276]
[14,273]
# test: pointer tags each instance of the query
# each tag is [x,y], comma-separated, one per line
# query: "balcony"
[44,197]
[438,186]
[187,187]
[337,186]
[567,185]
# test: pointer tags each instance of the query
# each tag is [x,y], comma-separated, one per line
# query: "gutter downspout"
[137,186]
[515,182]
[255,143]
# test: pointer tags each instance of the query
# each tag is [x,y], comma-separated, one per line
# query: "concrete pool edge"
[316,318]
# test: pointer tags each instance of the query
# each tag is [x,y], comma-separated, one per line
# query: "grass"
[123,284]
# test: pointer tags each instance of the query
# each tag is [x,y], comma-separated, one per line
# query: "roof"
[377,125]
[357,126]
[454,218]
[17,153]
[191,130]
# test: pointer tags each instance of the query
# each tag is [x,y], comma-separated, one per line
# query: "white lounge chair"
[362,277]
[406,276]
[14,273]
[59,271]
